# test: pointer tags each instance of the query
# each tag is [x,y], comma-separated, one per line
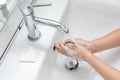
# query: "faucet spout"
[62,28]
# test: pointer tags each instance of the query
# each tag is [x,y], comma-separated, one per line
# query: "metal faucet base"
[35,39]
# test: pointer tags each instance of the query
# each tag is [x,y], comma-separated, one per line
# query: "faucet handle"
[41,5]
[27,10]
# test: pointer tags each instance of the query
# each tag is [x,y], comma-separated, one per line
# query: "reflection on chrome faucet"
[3,11]
[31,21]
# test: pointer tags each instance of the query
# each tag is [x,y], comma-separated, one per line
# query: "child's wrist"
[88,57]
[93,46]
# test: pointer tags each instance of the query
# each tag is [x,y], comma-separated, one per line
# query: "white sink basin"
[87,20]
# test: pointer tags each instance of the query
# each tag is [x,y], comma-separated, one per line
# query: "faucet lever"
[41,5]
[27,8]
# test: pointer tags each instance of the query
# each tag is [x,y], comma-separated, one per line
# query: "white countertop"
[11,68]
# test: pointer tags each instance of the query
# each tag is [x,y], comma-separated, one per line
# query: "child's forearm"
[111,40]
[105,70]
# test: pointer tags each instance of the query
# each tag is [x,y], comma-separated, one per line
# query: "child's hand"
[79,50]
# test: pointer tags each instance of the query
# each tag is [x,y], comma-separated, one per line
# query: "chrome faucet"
[31,20]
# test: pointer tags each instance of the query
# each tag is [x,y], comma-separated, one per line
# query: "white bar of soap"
[28,56]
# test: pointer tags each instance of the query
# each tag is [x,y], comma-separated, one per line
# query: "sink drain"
[71,64]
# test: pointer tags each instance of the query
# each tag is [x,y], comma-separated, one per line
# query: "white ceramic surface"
[86,19]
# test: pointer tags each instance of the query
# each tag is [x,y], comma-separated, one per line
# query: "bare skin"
[85,50]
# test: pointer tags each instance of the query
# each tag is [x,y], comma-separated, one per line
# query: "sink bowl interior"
[86,19]
[54,69]
[89,19]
